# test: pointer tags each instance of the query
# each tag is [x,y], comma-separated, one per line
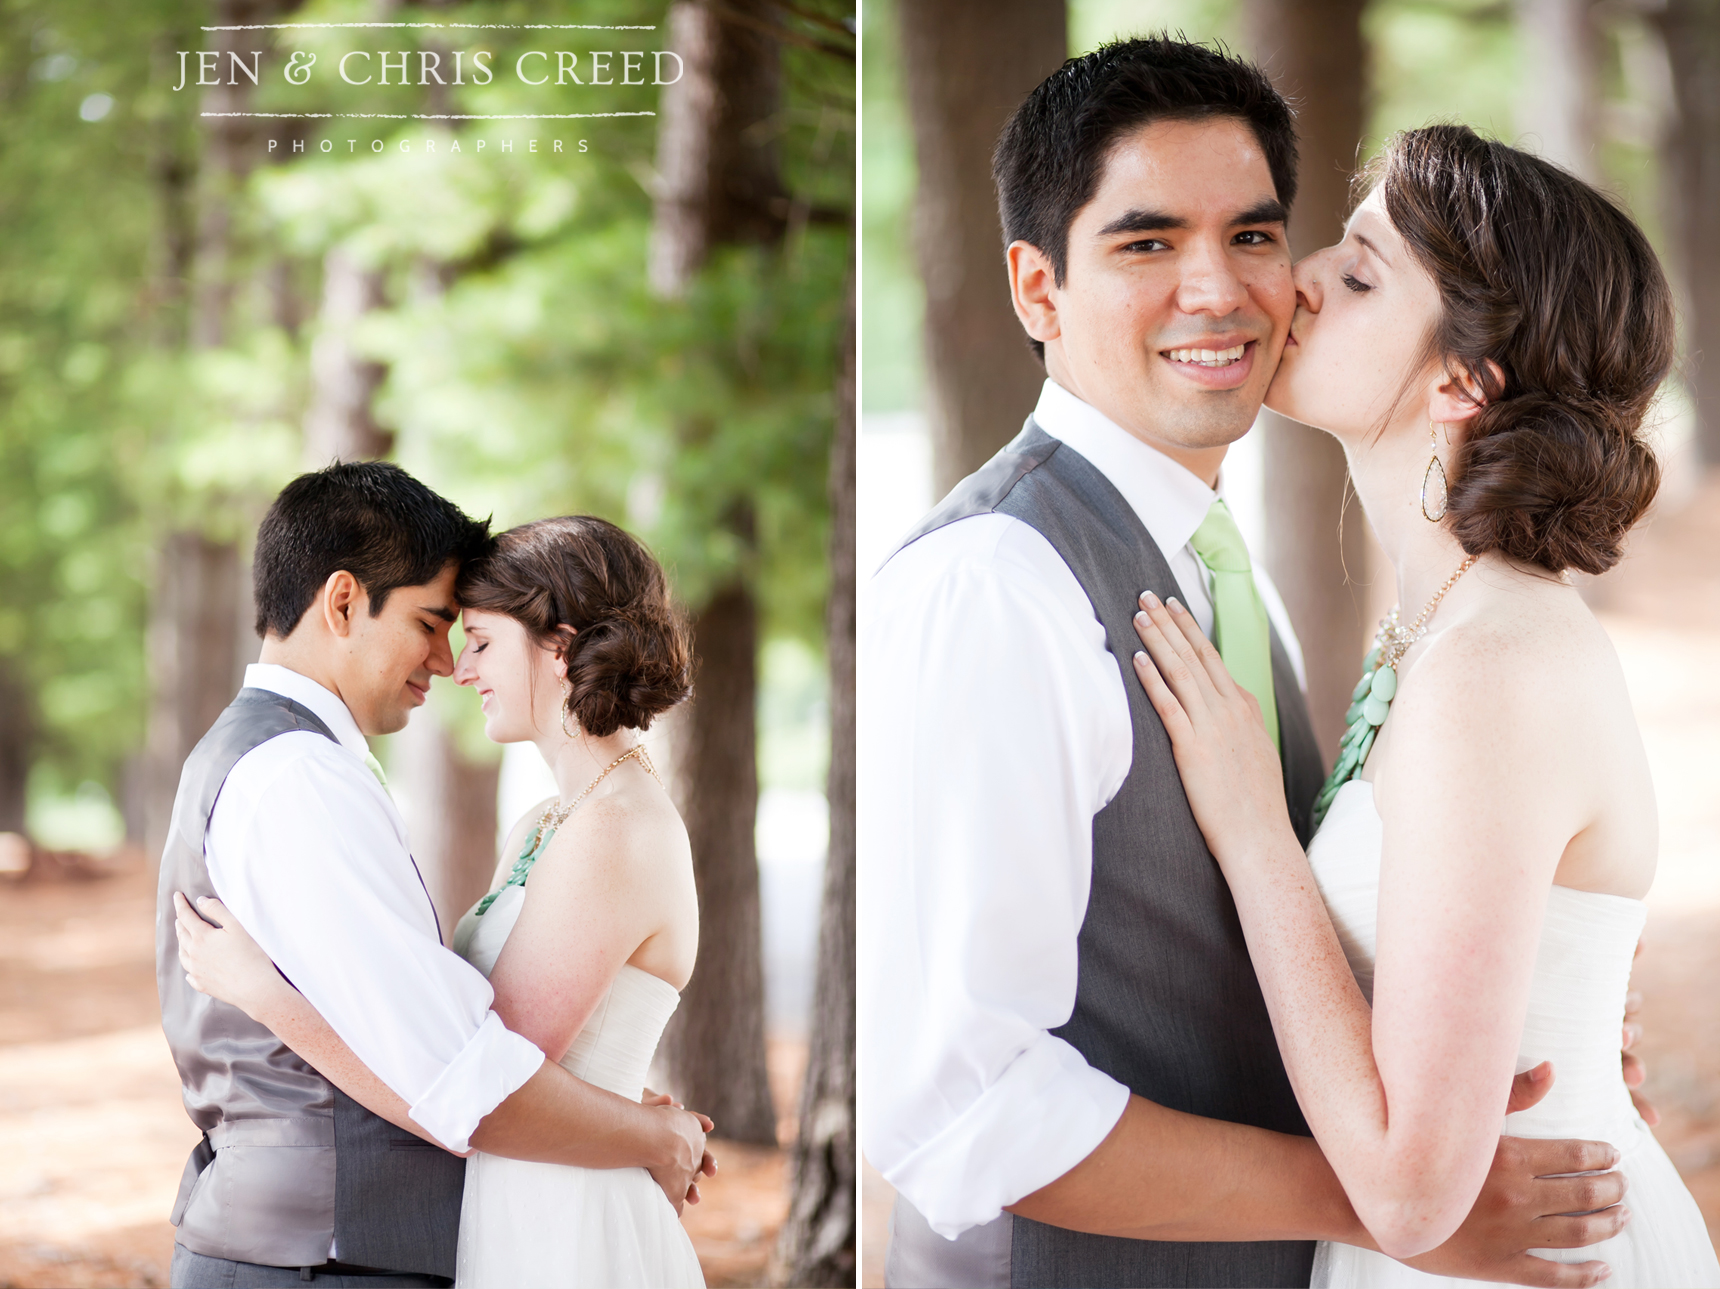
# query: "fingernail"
[1141,617]
[1176,605]
[1149,599]
[1140,655]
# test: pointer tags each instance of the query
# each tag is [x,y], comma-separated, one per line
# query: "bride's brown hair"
[1542,275]
[630,658]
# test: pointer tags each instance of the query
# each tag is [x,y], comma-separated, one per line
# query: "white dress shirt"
[307,849]
[993,726]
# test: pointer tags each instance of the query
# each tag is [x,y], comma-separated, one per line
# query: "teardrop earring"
[1433,482]
[566,694]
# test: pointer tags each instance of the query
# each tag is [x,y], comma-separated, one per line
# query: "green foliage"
[892,371]
[80,276]
[1093,22]
[1441,60]
[530,371]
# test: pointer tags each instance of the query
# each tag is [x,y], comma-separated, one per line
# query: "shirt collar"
[1170,500]
[302,689]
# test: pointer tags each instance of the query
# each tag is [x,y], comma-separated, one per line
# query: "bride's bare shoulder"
[1526,644]
[634,836]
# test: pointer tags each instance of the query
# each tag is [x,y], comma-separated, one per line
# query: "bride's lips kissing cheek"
[1364,309]
[1168,303]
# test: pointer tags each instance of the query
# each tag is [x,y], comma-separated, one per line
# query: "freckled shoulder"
[620,837]
[1521,660]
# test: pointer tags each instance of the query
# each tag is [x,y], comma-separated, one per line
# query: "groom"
[1070,1076]
[281,813]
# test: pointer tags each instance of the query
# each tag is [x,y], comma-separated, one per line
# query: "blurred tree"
[80,291]
[1316,55]
[817,1243]
[17,741]
[968,65]
[1559,113]
[199,640]
[1691,30]
[340,424]
[719,183]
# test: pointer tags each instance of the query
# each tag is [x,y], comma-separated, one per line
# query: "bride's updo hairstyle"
[1543,275]
[631,658]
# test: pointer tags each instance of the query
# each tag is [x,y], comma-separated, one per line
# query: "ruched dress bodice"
[614,1049]
[555,1226]
[1575,1017]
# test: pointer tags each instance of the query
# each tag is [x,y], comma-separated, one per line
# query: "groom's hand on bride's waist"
[1538,1195]
[1530,1201]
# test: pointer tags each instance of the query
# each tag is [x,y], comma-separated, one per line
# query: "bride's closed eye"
[1353,283]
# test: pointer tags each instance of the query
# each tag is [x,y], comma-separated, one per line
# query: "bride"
[591,925]
[1484,343]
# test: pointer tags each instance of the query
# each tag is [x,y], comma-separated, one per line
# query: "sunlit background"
[202,295]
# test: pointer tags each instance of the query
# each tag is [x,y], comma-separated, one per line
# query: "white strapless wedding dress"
[550,1226]
[1576,1011]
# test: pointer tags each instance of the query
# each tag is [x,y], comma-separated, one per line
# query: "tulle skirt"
[1666,1245]
[549,1226]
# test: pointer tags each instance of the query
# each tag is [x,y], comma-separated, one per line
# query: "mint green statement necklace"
[1373,694]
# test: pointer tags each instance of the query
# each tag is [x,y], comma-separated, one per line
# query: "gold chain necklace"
[554,817]
[1394,641]
[1373,695]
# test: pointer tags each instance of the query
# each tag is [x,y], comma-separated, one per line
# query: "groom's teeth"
[1208,357]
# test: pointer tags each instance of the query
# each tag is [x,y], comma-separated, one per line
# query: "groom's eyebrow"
[439,610]
[1269,211]
[1143,221]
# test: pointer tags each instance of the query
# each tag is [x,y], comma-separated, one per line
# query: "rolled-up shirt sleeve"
[993,726]
[313,862]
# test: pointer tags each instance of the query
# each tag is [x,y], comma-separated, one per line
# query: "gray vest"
[1166,1002]
[288,1162]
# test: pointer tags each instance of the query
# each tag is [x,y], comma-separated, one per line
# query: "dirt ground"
[93,1137]
[1661,607]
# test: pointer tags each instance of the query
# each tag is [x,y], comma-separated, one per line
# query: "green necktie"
[1239,624]
[375,767]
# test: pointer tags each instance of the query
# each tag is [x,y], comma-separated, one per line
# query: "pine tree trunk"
[1691,29]
[968,65]
[714,1045]
[1318,555]
[718,183]
[817,1244]
[198,638]
[17,739]
[717,172]
[194,656]
[339,424]
[1558,114]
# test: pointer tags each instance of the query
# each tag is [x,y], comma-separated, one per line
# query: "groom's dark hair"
[368,517]
[1051,155]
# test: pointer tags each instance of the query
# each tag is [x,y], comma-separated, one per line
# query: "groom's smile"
[1213,362]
